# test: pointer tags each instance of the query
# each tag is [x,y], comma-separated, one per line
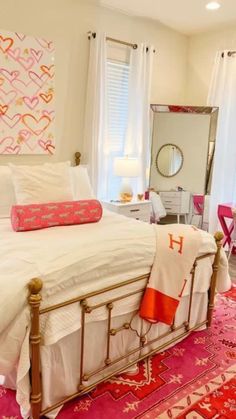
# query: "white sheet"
[72,261]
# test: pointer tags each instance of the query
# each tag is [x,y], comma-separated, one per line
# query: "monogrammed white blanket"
[177,246]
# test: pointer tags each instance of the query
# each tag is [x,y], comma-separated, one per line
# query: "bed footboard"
[184,329]
[35,287]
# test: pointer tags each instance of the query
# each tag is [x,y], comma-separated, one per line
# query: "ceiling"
[185,16]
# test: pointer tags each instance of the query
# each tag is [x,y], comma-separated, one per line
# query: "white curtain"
[95,133]
[222,93]
[97,150]
[138,132]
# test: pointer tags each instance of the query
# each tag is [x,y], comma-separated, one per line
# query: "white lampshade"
[126,167]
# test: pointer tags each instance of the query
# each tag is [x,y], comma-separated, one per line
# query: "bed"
[76,322]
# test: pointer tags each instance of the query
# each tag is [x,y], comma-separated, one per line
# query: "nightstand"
[176,203]
[139,210]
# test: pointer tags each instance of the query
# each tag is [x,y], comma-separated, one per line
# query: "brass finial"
[77,158]
[218,236]
[35,285]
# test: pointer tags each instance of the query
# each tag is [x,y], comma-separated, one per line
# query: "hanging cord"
[134,330]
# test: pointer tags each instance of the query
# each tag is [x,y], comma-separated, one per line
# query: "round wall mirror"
[169,160]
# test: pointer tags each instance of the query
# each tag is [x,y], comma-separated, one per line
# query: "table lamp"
[126,167]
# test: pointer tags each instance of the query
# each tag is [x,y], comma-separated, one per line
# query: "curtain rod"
[229,54]
[117,41]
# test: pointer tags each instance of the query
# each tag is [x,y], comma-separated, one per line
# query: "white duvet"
[72,261]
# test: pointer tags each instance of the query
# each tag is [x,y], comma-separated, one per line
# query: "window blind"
[117,102]
[117,90]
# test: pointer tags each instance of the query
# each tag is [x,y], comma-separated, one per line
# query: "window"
[117,102]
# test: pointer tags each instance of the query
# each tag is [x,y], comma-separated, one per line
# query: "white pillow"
[7,193]
[41,184]
[82,188]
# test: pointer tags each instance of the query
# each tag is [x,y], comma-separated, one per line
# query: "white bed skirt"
[61,361]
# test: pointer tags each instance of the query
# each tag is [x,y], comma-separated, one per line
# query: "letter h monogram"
[177,242]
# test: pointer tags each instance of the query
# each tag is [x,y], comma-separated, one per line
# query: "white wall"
[191,133]
[67,22]
[201,53]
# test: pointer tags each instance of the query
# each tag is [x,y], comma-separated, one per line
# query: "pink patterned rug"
[193,380]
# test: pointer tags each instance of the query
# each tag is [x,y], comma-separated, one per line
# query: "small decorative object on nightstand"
[176,203]
[140,210]
[140,196]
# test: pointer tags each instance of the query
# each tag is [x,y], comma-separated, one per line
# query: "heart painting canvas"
[27,97]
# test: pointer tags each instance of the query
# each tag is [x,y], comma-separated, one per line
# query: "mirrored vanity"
[182,156]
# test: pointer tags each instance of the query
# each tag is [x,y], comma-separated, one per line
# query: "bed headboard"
[77,158]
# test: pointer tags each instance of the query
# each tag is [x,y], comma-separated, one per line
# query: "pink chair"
[233,234]
[198,206]
[198,202]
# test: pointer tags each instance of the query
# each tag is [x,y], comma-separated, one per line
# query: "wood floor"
[232,268]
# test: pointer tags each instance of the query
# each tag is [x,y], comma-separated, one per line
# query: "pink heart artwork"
[37,126]
[14,53]
[11,121]
[6,146]
[7,97]
[20,36]
[13,150]
[31,102]
[5,142]
[46,145]
[51,114]
[38,79]
[28,139]
[9,75]
[36,54]
[27,94]
[22,87]
[25,134]
[26,63]
[45,44]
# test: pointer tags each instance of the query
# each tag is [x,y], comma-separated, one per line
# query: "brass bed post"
[218,238]
[35,287]
[77,158]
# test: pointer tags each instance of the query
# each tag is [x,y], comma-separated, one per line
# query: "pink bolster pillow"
[37,216]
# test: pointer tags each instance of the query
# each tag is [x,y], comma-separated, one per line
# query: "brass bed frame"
[35,298]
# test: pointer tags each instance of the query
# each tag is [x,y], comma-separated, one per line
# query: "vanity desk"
[176,203]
